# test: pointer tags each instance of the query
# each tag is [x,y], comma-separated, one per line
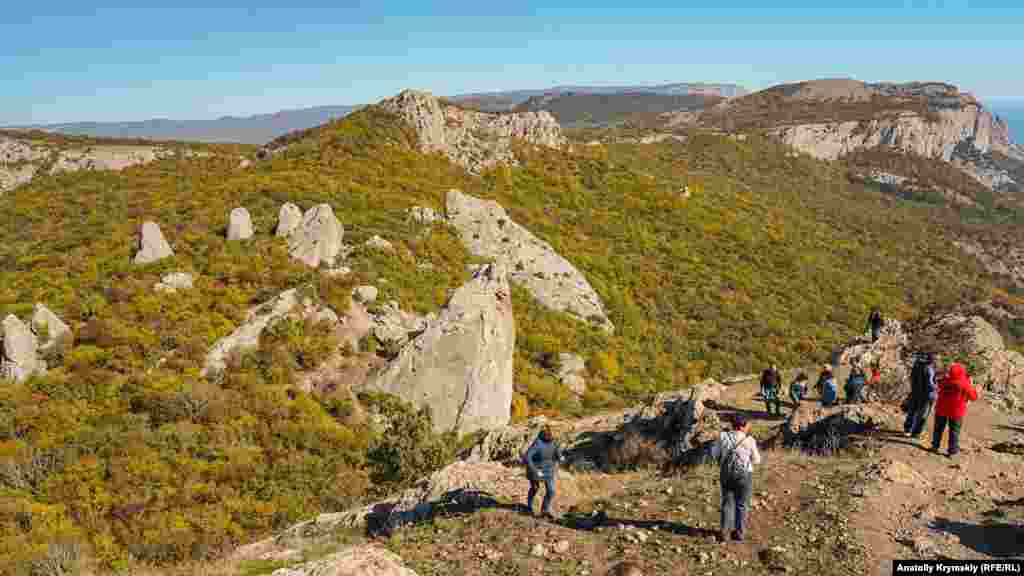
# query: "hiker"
[827,386]
[855,385]
[918,405]
[737,454]
[875,324]
[541,461]
[798,389]
[770,383]
[955,391]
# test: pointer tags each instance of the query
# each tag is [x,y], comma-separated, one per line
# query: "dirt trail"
[925,504]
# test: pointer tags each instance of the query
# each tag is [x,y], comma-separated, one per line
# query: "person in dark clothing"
[922,395]
[737,454]
[855,385]
[875,324]
[541,461]
[827,389]
[771,381]
[955,391]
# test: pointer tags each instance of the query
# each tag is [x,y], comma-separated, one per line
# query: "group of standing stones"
[29,348]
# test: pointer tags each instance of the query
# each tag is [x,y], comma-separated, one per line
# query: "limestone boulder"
[152,244]
[317,240]
[394,327]
[955,336]
[461,366]
[20,349]
[174,282]
[378,243]
[488,232]
[51,332]
[571,370]
[424,216]
[365,294]
[364,560]
[247,336]
[288,220]
[239,225]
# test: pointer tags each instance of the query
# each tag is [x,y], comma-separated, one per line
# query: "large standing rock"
[955,336]
[152,244]
[247,336]
[239,225]
[889,352]
[365,560]
[288,219]
[461,365]
[487,231]
[318,239]
[57,333]
[393,326]
[20,350]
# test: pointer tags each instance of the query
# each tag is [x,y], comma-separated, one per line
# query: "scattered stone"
[247,335]
[355,561]
[288,220]
[51,332]
[462,364]
[20,350]
[239,225]
[365,294]
[152,245]
[173,282]
[378,243]
[318,239]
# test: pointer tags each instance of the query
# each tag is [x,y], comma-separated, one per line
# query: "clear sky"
[65,60]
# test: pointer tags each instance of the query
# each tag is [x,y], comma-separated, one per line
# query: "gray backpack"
[733,465]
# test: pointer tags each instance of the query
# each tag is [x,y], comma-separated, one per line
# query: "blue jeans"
[735,500]
[549,492]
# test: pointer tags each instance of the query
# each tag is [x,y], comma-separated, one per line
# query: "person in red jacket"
[955,391]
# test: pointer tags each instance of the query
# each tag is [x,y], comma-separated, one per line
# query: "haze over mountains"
[262,128]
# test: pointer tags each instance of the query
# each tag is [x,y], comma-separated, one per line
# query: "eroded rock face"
[288,219]
[474,140]
[20,350]
[461,365]
[239,225]
[365,560]
[247,336]
[889,352]
[488,231]
[317,240]
[152,245]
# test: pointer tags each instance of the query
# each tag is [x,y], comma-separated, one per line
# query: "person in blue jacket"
[827,386]
[541,461]
[855,385]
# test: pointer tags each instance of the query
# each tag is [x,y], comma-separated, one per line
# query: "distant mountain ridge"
[262,128]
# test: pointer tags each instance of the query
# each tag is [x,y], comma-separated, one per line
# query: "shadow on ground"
[996,539]
[383,520]
[591,522]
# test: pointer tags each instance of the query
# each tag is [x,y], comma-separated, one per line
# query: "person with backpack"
[875,324]
[955,391]
[922,396]
[827,388]
[855,385]
[770,383]
[541,460]
[798,389]
[737,454]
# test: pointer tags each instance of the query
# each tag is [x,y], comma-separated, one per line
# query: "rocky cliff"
[472,139]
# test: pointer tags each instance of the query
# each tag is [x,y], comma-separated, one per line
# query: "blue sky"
[128,60]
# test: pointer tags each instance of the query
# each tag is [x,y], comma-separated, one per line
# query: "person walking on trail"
[875,324]
[955,391]
[737,454]
[770,384]
[798,389]
[827,388]
[855,385]
[541,461]
[922,395]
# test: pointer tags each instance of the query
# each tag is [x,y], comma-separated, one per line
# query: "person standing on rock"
[798,389]
[955,391]
[855,385]
[737,454]
[827,387]
[875,324]
[770,384]
[922,395]
[541,461]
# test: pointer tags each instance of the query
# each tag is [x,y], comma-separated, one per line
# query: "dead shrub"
[634,450]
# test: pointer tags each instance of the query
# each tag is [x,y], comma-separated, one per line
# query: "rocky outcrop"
[1002,259]
[488,231]
[424,216]
[53,335]
[394,327]
[471,139]
[288,219]
[20,350]
[317,240]
[239,225]
[152,245]
[954,336]
[461,365]
[365,560]
[889,353]
[247,336]
[571,368]
[817,428]
[173,282]
[365,294]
